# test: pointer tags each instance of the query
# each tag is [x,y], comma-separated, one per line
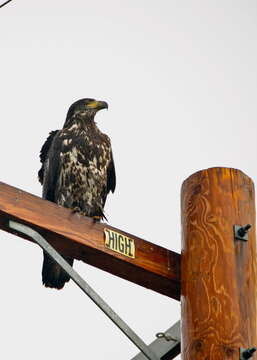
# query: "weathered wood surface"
[218,273]
[154,267]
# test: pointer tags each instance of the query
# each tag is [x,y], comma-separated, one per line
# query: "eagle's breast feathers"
[82,182]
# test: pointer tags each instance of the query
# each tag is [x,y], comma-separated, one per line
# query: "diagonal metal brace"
[149,354]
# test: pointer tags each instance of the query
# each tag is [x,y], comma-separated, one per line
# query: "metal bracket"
[86,288]
[167,344]
[241,232]
[247,353]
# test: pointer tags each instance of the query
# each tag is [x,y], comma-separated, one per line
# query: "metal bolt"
[243,230]
[166,336]
[247,353]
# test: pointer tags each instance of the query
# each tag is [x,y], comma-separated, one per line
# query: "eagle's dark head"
[85,109]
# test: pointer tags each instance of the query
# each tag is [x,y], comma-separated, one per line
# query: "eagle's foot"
[96,218]
[76,210]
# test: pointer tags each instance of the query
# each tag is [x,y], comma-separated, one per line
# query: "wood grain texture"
[218,273]
[154,267]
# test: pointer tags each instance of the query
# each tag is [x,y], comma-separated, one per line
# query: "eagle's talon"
[96,218]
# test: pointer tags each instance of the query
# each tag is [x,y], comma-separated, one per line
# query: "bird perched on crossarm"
[77,172]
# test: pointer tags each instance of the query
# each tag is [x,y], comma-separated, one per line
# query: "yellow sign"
[119,243]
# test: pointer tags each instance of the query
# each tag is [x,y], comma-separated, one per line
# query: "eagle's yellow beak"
[98,105]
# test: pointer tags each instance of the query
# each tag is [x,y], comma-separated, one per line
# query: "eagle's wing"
[49,172]
[52,169]
[111,182]
[44,154]
[111,176]
[53,275]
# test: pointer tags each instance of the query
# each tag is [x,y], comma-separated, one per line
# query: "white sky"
[180,80]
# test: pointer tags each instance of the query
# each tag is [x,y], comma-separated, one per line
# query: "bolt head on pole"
[241,232]
[247,353]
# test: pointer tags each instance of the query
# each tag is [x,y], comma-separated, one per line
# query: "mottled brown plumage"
[77,172]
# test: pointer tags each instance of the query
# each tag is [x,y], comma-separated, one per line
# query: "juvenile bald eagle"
[77,172]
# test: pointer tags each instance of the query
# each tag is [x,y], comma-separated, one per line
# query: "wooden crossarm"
[97,244]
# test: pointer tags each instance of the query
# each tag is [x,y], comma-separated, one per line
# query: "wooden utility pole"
[218,271]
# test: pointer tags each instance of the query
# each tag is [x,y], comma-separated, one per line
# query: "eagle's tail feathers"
[53,276]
